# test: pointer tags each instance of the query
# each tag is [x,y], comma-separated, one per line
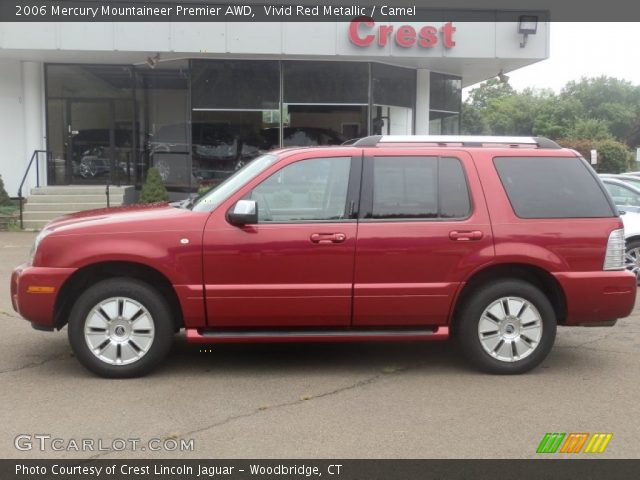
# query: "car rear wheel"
[632,258]
[506,327]
[120,328]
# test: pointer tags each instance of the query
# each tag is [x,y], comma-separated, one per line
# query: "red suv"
[494,240]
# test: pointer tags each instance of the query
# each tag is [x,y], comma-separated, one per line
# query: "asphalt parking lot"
[390,400]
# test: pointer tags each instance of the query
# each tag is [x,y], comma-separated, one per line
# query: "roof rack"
[463,140]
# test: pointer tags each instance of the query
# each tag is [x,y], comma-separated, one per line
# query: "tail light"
[614,256]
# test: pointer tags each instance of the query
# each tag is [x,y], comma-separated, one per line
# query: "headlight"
[34,248]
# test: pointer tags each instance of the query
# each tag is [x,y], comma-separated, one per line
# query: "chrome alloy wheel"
[510,329]
[119,331]
[632,260]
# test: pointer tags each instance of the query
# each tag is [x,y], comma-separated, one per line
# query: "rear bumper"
[597,297]
[34,291]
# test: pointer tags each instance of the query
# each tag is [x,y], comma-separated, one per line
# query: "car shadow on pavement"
[251,359]
[314,358]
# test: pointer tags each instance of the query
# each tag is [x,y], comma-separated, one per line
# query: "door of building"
[99,146]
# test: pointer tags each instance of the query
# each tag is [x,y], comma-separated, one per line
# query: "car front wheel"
[506,327]
[120,328]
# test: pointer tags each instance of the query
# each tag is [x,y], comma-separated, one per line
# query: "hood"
[128,217]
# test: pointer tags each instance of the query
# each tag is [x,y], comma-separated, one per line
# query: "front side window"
[419,187]
[309,190]
[552,187]
[219,194]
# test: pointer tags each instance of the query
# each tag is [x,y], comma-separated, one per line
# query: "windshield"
[219,194]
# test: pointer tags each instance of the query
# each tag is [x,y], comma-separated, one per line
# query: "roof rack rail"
[465,140]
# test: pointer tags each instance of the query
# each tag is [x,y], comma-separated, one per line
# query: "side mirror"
[244,212]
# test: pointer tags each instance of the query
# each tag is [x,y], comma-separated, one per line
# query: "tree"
[153,189]
[596,109]
[473,121]
[512,114]
[488,91]
[614,101]
[555,116]
[590,128]
[4,196]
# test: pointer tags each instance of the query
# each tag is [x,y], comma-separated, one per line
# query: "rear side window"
[419,187]
[551,187]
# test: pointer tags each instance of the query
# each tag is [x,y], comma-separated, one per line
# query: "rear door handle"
[465,235]
[328,237]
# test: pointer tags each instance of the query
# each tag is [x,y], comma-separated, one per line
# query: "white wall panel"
[26,35]
[259,37]
[143,36]
[303,38]
[205,37]
[95,36]
[13,159]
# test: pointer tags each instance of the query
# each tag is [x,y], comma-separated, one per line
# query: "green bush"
[153,190]
[4,196]
[581,145]
[613,156]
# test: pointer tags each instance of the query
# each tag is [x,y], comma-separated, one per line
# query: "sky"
[584,50]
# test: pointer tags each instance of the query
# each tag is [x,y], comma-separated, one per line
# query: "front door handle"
[328,237]
[465,235]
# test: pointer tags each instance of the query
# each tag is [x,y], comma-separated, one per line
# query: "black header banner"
[327,469]
[310,11]
[163,11]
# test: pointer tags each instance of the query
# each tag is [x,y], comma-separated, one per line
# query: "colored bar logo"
[573,442]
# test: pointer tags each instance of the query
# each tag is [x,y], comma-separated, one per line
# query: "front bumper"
[34,291]
[598,297]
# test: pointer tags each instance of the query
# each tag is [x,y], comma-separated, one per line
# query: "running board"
[197,335]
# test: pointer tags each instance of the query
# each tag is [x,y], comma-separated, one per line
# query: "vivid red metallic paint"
[384,274]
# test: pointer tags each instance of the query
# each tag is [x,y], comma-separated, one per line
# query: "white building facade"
[106,101]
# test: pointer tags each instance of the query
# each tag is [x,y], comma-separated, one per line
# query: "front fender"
[166,252]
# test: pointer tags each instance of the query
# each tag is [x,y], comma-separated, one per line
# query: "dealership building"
[106,101]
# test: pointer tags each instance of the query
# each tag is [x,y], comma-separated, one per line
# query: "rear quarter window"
[552,187]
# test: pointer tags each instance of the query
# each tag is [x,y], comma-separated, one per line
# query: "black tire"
[145,295]
[632,245]
[468,321]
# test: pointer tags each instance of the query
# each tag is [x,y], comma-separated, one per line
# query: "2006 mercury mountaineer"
[494,240]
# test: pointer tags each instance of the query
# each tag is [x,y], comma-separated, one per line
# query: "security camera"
[503,78]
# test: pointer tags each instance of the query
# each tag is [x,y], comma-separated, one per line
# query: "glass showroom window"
[445,104]
[90,123]
[163,101]
[235,115]
[393,97]
[325,103]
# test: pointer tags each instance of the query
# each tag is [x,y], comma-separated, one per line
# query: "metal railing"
[34,159]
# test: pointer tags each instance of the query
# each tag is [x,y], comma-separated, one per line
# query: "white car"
[631,223]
